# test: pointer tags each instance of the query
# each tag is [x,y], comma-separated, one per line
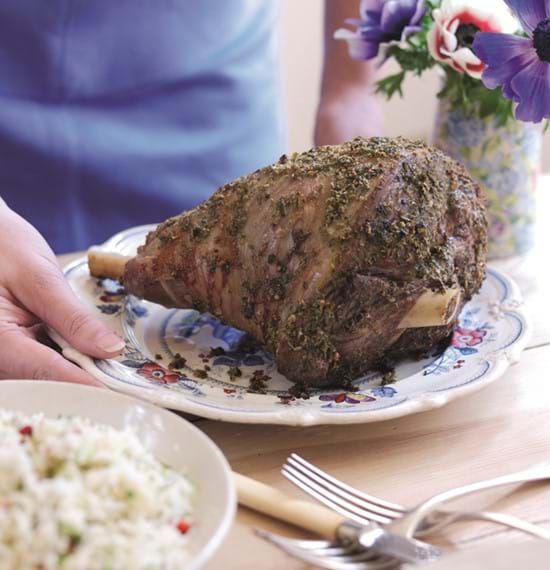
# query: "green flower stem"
[462,91]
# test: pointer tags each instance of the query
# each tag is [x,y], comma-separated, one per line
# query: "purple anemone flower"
[521,65]
[382,22]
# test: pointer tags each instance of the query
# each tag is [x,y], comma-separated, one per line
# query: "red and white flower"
[157,373]
[456,23]
[463,338]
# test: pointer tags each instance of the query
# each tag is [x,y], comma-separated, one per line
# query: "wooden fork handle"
[269,501]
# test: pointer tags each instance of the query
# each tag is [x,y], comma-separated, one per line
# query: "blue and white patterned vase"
[506,161]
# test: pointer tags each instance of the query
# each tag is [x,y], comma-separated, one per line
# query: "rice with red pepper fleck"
[82,496]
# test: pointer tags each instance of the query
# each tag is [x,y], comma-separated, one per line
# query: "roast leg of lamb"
[324,256]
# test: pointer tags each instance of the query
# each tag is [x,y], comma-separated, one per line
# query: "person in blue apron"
[115,114]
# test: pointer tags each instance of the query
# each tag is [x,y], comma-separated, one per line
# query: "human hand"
[33,290]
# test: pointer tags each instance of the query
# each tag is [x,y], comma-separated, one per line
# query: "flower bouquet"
[494,60]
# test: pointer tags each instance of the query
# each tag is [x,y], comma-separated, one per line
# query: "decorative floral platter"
[491,335]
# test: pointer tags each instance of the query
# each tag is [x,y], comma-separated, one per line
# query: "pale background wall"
[301,39]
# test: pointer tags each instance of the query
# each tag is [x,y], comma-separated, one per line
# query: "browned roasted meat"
[321,255]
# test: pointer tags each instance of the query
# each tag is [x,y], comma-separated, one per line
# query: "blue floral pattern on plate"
[492,332]
[466,341]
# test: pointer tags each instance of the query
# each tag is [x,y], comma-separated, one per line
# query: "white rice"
[81,496]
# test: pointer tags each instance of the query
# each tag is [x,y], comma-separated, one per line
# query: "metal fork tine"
[334,564]
[331,564]
[356,559]
[336,489]
[321,497]
[385,507]
[362,560]
[356,554]
[318,546]
[332,500]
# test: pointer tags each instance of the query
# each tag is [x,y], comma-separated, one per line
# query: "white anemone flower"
[456,23]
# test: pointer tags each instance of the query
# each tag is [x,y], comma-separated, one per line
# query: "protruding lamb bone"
[432,309]
[106,264]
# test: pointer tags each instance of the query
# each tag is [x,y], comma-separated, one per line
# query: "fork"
[341,555]
[341,550]
[422,520]
[338,556]
[315,518]
[334,557]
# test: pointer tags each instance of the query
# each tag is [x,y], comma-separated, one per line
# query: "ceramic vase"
[506,161]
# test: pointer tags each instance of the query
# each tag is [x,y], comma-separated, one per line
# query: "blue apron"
[117,113]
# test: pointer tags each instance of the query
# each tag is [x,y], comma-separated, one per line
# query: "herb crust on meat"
[320,256]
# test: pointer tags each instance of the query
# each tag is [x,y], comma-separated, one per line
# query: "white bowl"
[172,439]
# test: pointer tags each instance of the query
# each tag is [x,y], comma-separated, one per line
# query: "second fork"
[426,518]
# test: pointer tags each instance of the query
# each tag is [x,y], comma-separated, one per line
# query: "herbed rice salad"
[81,496]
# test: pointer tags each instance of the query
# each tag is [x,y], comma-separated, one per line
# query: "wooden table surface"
[504,427]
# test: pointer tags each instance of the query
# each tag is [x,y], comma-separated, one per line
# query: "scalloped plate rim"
[497,365]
